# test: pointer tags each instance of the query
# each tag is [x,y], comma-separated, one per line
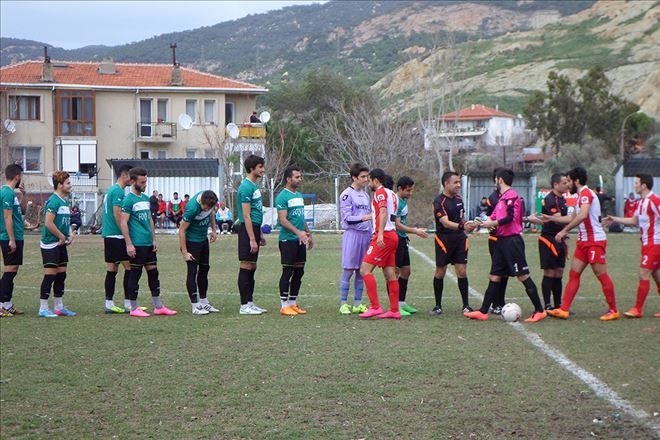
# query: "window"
[27,157]
[78,156]
[190,153]
[191,109]
[162,154]
[24,108]
[144,154]
[229,112]
[162,110]
[209,153]
[75,113]
[209,111]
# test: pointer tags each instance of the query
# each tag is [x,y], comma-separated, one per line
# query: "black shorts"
[16,257]
[144,256]
[115,250]
[292,253]
[55,257]
[402,253]
[244,253]
[200,251]
[552,254]
[509,257]
[491,246]
[451,249]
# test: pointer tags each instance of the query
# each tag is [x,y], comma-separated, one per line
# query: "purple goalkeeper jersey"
[355,204]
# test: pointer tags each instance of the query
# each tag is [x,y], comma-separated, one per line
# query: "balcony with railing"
[157,132]
[252,131]
[83,179]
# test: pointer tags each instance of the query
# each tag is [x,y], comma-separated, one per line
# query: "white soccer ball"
[511,312]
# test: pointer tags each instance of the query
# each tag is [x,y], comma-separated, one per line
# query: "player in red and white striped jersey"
[647,217]
[382,249]
[590,249]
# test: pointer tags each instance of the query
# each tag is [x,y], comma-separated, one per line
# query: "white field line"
[597,386]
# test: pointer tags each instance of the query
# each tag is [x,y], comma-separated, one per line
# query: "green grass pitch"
[321,375]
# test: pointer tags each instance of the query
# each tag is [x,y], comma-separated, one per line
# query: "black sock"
[285,282]
[546,287]
[58,285]
[492,292]
[403,289]
[7,286]
[133,279]
[46,285]
[533,294]
[154,282]
[463,288]
[191,280]
[127,274]
[499,299]
[438,285]
[244,285]
[557,291]
[296,282]
[251,291]
[110,279]
[203,280]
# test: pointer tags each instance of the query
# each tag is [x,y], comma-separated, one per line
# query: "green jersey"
[199,220]
[139,223]
[402,213]
[60,207]
[114,197]
[294,205]
[9,202]
[249,192]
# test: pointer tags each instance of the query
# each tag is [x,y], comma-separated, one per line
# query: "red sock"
[570,291]
[372,289]
[608,290]
[642,290]
[393,290]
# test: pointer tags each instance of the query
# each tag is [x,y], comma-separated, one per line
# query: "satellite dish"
[10,126]
[185,121]
[233,130]
[264,117]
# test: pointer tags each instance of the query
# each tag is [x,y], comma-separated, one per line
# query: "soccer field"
[321,375]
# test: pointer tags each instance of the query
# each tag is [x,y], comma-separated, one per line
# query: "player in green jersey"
[114,245]
[55,237]
[294,241]
[198,216]
[138,230]
[11,237]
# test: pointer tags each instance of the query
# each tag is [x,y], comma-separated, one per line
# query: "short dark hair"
[645,179]
[388,182]
[186,195]
[404,182]
[556,178]
[288,172]
[252,161]
[495,171]
[377,173]
[357,168]
[175,193]
[209,198]
[59,177]
[126,168]
[578,173]
[12,171]
[448,175]
[505,174]
[136,172]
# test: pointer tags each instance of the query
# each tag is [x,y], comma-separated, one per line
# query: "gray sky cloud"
[73,24]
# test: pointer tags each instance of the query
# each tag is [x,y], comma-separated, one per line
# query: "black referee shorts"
[509,257]
[244,253]
[292,253]
[16,257]
[451,249]
[551,253]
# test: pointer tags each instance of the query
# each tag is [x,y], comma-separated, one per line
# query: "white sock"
[127,303]
[293,302]
[284,303]
[43,304]
[109,304]
[58,303]
[402,303]
[204,301]
[7,305]
[195,305]
[250,303]
[357,302]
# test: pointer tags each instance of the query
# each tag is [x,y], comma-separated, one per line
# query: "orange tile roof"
[127,75]
[475,112]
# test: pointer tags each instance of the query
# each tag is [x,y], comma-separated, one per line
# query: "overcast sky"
[73,24]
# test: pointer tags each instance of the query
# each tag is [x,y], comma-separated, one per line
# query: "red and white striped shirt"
[385,199]
[591,229]
[648,219]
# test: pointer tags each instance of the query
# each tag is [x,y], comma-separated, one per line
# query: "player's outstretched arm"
[628,221]
[409,230]
[577,219]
